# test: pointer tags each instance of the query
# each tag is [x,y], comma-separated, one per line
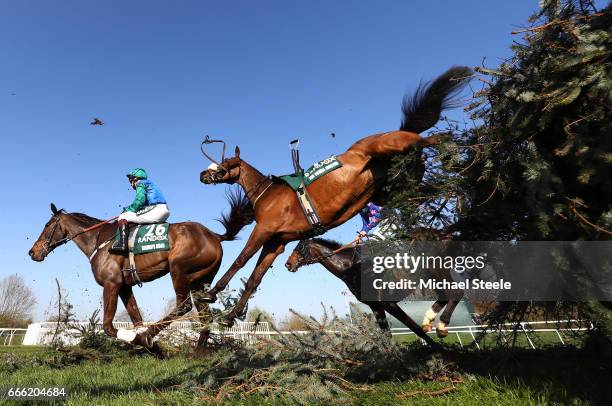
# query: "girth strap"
[317,227]
[132,270]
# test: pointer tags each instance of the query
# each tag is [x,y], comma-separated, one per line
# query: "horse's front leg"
[445,317]
[129,301]
[268,254]
[110,295]
[379,312]
[255,242]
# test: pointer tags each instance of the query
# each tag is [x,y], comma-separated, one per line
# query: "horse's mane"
[331,244]
[84,218]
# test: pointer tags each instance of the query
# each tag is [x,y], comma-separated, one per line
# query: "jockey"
[149,206]
[371,215]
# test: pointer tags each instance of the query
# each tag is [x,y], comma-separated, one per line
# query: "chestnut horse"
[344,264]
[193,261]
[337,196]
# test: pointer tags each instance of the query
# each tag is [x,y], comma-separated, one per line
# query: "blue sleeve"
[365,221]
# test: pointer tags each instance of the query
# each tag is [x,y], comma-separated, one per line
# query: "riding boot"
[120,246]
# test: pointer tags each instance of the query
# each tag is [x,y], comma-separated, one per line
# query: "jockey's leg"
[120,246]
[157,214]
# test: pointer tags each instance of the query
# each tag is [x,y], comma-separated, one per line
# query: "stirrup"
[118,249]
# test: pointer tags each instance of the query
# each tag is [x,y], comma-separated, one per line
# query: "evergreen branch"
[556,22]
[585,221]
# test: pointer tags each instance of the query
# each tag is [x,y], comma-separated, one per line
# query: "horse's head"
[228,171]
[302,255]
[52,236]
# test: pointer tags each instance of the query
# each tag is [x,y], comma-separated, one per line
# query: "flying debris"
[333,135]
[97,121]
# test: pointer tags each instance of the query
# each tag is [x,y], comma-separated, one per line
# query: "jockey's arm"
[139,200]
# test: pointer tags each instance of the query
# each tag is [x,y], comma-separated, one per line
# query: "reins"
[207,140]
[72,237]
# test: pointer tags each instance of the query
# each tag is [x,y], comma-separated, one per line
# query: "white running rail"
[10,336]
[248,332]
[527,328]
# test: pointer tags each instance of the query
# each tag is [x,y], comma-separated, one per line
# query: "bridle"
[221,171]
[306,258]
[48,247]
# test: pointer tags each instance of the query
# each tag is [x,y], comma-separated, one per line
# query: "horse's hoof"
[441,330]
[145,340]
[426,328]
[207,297]
[442,333]
[227,321]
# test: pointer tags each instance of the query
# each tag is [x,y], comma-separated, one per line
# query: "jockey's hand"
[357,239]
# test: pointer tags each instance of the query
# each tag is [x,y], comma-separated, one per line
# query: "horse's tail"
[241,214]
[422,110]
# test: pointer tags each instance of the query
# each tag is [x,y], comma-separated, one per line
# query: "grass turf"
[549,376]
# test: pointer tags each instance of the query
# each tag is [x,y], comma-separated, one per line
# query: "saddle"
[145,239]
[300,179]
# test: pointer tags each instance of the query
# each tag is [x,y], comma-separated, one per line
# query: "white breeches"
[158,214]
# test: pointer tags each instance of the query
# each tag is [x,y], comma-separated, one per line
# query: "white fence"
[11,336]
[248,332]
[527,328]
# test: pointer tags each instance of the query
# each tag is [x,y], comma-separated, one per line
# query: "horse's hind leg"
[129,301]
[430,314]
[183,306]
[205,317]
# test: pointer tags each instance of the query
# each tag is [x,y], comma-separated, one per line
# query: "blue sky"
[164,74]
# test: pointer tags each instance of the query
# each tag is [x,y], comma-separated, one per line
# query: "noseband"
[306,258]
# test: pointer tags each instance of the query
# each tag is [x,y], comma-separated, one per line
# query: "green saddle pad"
[149,238]
[313,173]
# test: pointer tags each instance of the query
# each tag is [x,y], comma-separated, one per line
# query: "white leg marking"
[126,335]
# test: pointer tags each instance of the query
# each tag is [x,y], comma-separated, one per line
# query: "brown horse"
[193,261]
[337,196]
[344,264]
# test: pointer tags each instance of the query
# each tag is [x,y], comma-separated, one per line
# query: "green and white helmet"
[138,173]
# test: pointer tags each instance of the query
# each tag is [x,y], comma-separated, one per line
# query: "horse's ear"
[237,152]
[53,209]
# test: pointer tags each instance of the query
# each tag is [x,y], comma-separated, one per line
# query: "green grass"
[552,376]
